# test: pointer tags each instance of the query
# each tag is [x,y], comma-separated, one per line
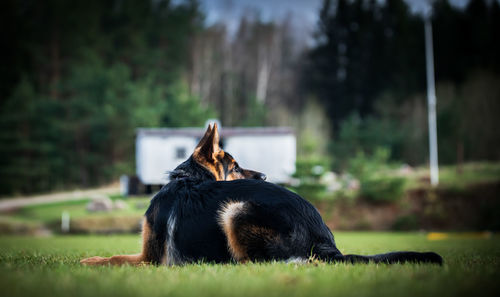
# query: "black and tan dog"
[212,210]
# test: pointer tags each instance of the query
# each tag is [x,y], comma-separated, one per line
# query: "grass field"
[449,177]
[49,267]
[47,213]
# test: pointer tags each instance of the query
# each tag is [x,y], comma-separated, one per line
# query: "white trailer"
[271,150]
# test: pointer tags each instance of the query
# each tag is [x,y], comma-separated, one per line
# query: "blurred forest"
[78,77]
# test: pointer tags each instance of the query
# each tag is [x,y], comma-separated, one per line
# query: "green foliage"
[92,75]
[80,77]
[256,113]
[368,71]
[180,102]
[377,183]
[364,48]
[308,173]
[469,118]
[406,222]
[466,121]
[313,130]
[382,188]
[357,134]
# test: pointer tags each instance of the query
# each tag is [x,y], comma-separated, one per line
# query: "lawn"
[49,267]
[450,178]
[47,213]
[33,217]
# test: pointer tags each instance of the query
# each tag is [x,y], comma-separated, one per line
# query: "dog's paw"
[95,261]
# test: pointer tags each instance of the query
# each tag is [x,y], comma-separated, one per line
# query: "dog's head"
[211,158]
[222,165]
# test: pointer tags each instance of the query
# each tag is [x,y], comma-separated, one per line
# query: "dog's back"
[264,222]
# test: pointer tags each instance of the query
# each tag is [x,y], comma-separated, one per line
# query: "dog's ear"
[208,148]
[204,138]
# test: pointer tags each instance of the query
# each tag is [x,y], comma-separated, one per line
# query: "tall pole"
[431,103]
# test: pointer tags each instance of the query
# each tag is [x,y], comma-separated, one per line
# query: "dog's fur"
[212,210]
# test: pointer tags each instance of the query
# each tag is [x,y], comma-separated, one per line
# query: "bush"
[10,226]
[308,173]
[405,223]
[382,189]
[377,180]
[106,224]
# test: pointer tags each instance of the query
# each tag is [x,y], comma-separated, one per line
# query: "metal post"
[65,220]
[431,102]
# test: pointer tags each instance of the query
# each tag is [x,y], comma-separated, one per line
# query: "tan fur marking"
[234,176]
[218,164]
[226,215]
[263,232]
[213,166]
[136,259]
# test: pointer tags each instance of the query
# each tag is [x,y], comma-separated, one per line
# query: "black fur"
[183,217]
[189,169]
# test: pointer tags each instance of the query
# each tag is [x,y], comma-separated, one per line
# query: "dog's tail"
[391,258]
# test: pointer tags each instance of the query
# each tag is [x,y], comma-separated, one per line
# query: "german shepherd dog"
[212,210]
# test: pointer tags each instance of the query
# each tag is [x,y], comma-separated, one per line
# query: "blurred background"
[78,78]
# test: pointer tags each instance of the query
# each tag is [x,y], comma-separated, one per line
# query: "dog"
[212,210]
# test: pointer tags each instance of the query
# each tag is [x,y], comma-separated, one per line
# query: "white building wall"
[156,155]
[273,155]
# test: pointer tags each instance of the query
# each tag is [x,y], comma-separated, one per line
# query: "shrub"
[405,223]
[10,226]
[308,173]
[378,183]
[106,224]
[382,188]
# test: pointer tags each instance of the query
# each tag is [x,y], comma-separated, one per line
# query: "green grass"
[49,267]
[472,173]
[449,178]
[51,212]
